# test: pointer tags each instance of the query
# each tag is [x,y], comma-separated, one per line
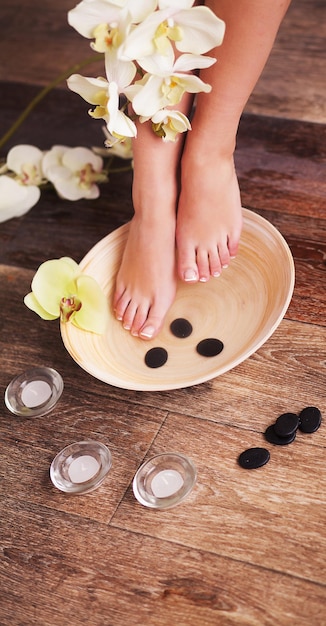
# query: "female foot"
[209,219]
[146,282]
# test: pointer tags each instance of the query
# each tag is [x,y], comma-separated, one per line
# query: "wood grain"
[245,547]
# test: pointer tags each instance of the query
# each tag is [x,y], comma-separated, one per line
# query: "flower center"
[165,31]
[172,89]
[107,36]
[30,175]
[69,306]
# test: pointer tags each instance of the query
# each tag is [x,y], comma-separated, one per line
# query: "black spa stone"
[209,347]
[181,328]
[253,458]
[272,437]
[309,419]
[156,357]
[286,424]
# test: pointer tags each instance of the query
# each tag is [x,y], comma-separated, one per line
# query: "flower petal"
[19,155]
[53,280]
[16,199]
[93,314]
[35,306]
[202,30]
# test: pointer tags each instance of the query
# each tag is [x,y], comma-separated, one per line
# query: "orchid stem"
[41,94]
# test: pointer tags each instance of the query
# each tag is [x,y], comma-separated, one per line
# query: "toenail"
[225,266]
[119,318]
[148,332]
[216,274]
[203,279]
[126,326]
[190,275]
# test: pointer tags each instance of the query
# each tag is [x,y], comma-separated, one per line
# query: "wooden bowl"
[241,308]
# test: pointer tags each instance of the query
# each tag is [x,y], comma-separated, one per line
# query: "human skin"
[186,197]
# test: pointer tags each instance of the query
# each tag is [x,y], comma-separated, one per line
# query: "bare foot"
[146,282]
[209,219]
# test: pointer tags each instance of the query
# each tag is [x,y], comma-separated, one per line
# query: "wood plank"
[38,44]
[81,573]
[250,516]
[288,370]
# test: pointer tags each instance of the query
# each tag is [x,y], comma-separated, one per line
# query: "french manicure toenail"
[119,318]
[148,332]
[126,326]
[216,274]
[225,266]
[190,275]
[203,279]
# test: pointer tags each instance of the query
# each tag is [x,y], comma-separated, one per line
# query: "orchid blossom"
[166,81]
[168,123]
[74,172]
[16,199]
[19,185]
[191,29]
[60,289]
[109,24]
[105,97]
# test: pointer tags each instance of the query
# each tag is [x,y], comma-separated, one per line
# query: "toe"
[120,305]
[129,315]
[223,252]
[203,265]
[214,263]
[153,323]
[140,318]
[233,245]
[187,266]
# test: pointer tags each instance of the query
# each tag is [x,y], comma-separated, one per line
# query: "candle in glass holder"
[35,393]
[166,483]
[83,468]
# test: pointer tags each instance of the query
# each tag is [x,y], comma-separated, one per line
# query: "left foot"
[209,218]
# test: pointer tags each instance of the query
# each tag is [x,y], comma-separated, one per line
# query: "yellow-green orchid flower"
[60,289]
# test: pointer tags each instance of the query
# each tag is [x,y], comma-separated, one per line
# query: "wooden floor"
[245,548]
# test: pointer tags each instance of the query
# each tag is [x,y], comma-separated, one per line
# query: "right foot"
[146,281]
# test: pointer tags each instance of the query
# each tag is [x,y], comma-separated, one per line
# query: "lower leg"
[146,281]
[209,211]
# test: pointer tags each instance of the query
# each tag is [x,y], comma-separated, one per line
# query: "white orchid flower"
[74,172]
[15,198]
[109,23]
[192,29]
[165,82]
[167,124]
[121,148]
[26,162]
[105,97]
[19,189]
[89,14]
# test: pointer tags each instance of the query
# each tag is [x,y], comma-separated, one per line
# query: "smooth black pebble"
[272,437]
[309,419]
[156,357]
[209,347]
[181,328]
[286,424]
[253,458]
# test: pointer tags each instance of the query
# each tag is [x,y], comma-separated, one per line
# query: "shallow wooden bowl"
[241,308]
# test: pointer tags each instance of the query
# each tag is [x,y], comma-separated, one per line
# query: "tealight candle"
[166,483]
[83,468]
[35,393]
